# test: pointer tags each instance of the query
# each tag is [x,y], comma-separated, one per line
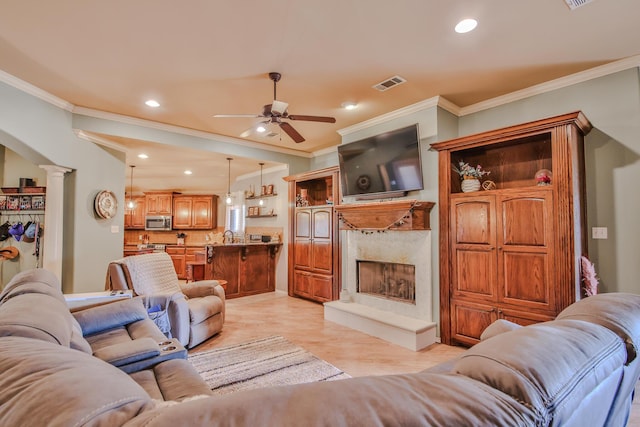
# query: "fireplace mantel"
[401,215]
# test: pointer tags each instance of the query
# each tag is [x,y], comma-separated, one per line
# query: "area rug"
[261,363]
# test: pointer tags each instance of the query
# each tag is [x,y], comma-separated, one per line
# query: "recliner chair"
[196,310]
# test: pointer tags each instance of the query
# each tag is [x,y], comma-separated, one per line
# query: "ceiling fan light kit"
[277,111]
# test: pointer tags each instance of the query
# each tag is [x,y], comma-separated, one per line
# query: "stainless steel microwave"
[157,222]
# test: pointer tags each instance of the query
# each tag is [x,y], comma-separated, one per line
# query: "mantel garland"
[397,223]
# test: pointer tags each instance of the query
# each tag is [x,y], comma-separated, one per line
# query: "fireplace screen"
[387,280]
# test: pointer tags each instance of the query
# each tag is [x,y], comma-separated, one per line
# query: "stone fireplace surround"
[408,241]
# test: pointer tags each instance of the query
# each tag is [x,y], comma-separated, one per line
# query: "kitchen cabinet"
[134,218]
[195,212]
[248,269]
[511,251]
[159,203]
[181,255]
[314,250]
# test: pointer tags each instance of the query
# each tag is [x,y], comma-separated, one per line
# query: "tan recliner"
[196,309]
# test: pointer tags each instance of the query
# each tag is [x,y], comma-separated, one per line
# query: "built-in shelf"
[261,216]
[260,197]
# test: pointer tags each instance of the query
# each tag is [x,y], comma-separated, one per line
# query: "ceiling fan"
[277,110]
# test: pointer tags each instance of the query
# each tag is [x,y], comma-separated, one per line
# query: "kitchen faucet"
[224,236]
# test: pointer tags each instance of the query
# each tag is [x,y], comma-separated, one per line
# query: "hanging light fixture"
[261,201]
[229,198]
[131,204]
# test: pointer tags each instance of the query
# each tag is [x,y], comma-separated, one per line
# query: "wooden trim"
[402,215]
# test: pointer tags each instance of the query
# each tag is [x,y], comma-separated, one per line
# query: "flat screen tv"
[385,165]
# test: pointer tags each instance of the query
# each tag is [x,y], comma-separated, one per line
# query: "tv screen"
[386,163]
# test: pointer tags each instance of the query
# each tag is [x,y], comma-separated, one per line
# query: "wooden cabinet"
[134,218]
[248,269]
[195,212]
[159,203]
[511,251]
[181,255]
[314,251]
[177,254]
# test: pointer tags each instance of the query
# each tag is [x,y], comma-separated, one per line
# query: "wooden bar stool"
[195,271]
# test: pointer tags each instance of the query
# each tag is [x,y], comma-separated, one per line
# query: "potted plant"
[470,176]
[180,237]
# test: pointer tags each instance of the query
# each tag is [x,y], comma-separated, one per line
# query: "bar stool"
[195,271]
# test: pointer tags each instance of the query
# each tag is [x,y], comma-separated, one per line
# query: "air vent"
[389,83]
[574,4]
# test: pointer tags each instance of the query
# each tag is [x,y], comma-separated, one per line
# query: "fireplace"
[387,280]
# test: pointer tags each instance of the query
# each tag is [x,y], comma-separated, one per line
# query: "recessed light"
[466,25]
[152,103]
[188,172]
[349,105]
[142,156]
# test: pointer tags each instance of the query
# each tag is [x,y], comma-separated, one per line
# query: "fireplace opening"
[388,280]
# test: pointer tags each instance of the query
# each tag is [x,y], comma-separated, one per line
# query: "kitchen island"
[248,268]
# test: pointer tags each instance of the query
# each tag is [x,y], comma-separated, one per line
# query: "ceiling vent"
[574,4]
[389,83]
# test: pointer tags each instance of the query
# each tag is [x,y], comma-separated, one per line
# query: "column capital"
[55,170]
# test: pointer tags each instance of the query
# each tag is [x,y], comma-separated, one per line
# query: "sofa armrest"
[109,316]
[203,288]
[129,352]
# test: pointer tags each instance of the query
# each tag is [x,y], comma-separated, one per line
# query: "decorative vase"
[470,184]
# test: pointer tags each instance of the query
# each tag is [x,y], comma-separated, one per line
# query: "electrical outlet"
[599,232]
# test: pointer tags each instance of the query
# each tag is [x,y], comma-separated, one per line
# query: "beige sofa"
[575,371]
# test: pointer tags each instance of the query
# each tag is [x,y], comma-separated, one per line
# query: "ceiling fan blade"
[291,132]
[238,115]
[312,118]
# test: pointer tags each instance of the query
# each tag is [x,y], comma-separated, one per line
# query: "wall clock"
[105,204]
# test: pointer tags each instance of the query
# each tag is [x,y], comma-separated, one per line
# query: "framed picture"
[269,189]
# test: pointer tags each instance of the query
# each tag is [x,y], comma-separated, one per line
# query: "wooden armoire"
[512,249]
[314,246]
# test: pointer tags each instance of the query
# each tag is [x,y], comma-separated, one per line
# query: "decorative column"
[51,250]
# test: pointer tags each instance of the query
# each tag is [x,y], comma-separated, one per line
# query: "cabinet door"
[322,287]
[473,244]
[322,242]
[468,320]
[138,213]
[525,249]
[202,212]
[182,207]
[302,238]
[302,285]
[159,204]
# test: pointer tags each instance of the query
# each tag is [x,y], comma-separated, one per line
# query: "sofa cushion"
[109,316]
[204,307]
[615,311]
[51,321]
[130,352]
[175,379]
[498,327]
[34,281]
[553,367]
[43,383]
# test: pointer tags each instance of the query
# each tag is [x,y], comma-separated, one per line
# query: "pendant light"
[229,198]
[261,201]
[131,204]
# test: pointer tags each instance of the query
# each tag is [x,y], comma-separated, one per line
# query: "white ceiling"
[199,58]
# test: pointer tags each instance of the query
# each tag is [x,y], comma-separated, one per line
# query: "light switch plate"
[599,232]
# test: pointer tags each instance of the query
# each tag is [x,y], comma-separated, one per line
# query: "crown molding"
[402,112]
[185,131]
[34,91]
[551,85]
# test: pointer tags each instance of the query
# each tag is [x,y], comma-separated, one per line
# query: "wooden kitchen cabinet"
[248,269]
[159,203]
[195,212]
[181,255]
[314,250]
[511,252]
[134,218]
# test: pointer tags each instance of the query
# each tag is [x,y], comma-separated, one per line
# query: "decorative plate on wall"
[106,204]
